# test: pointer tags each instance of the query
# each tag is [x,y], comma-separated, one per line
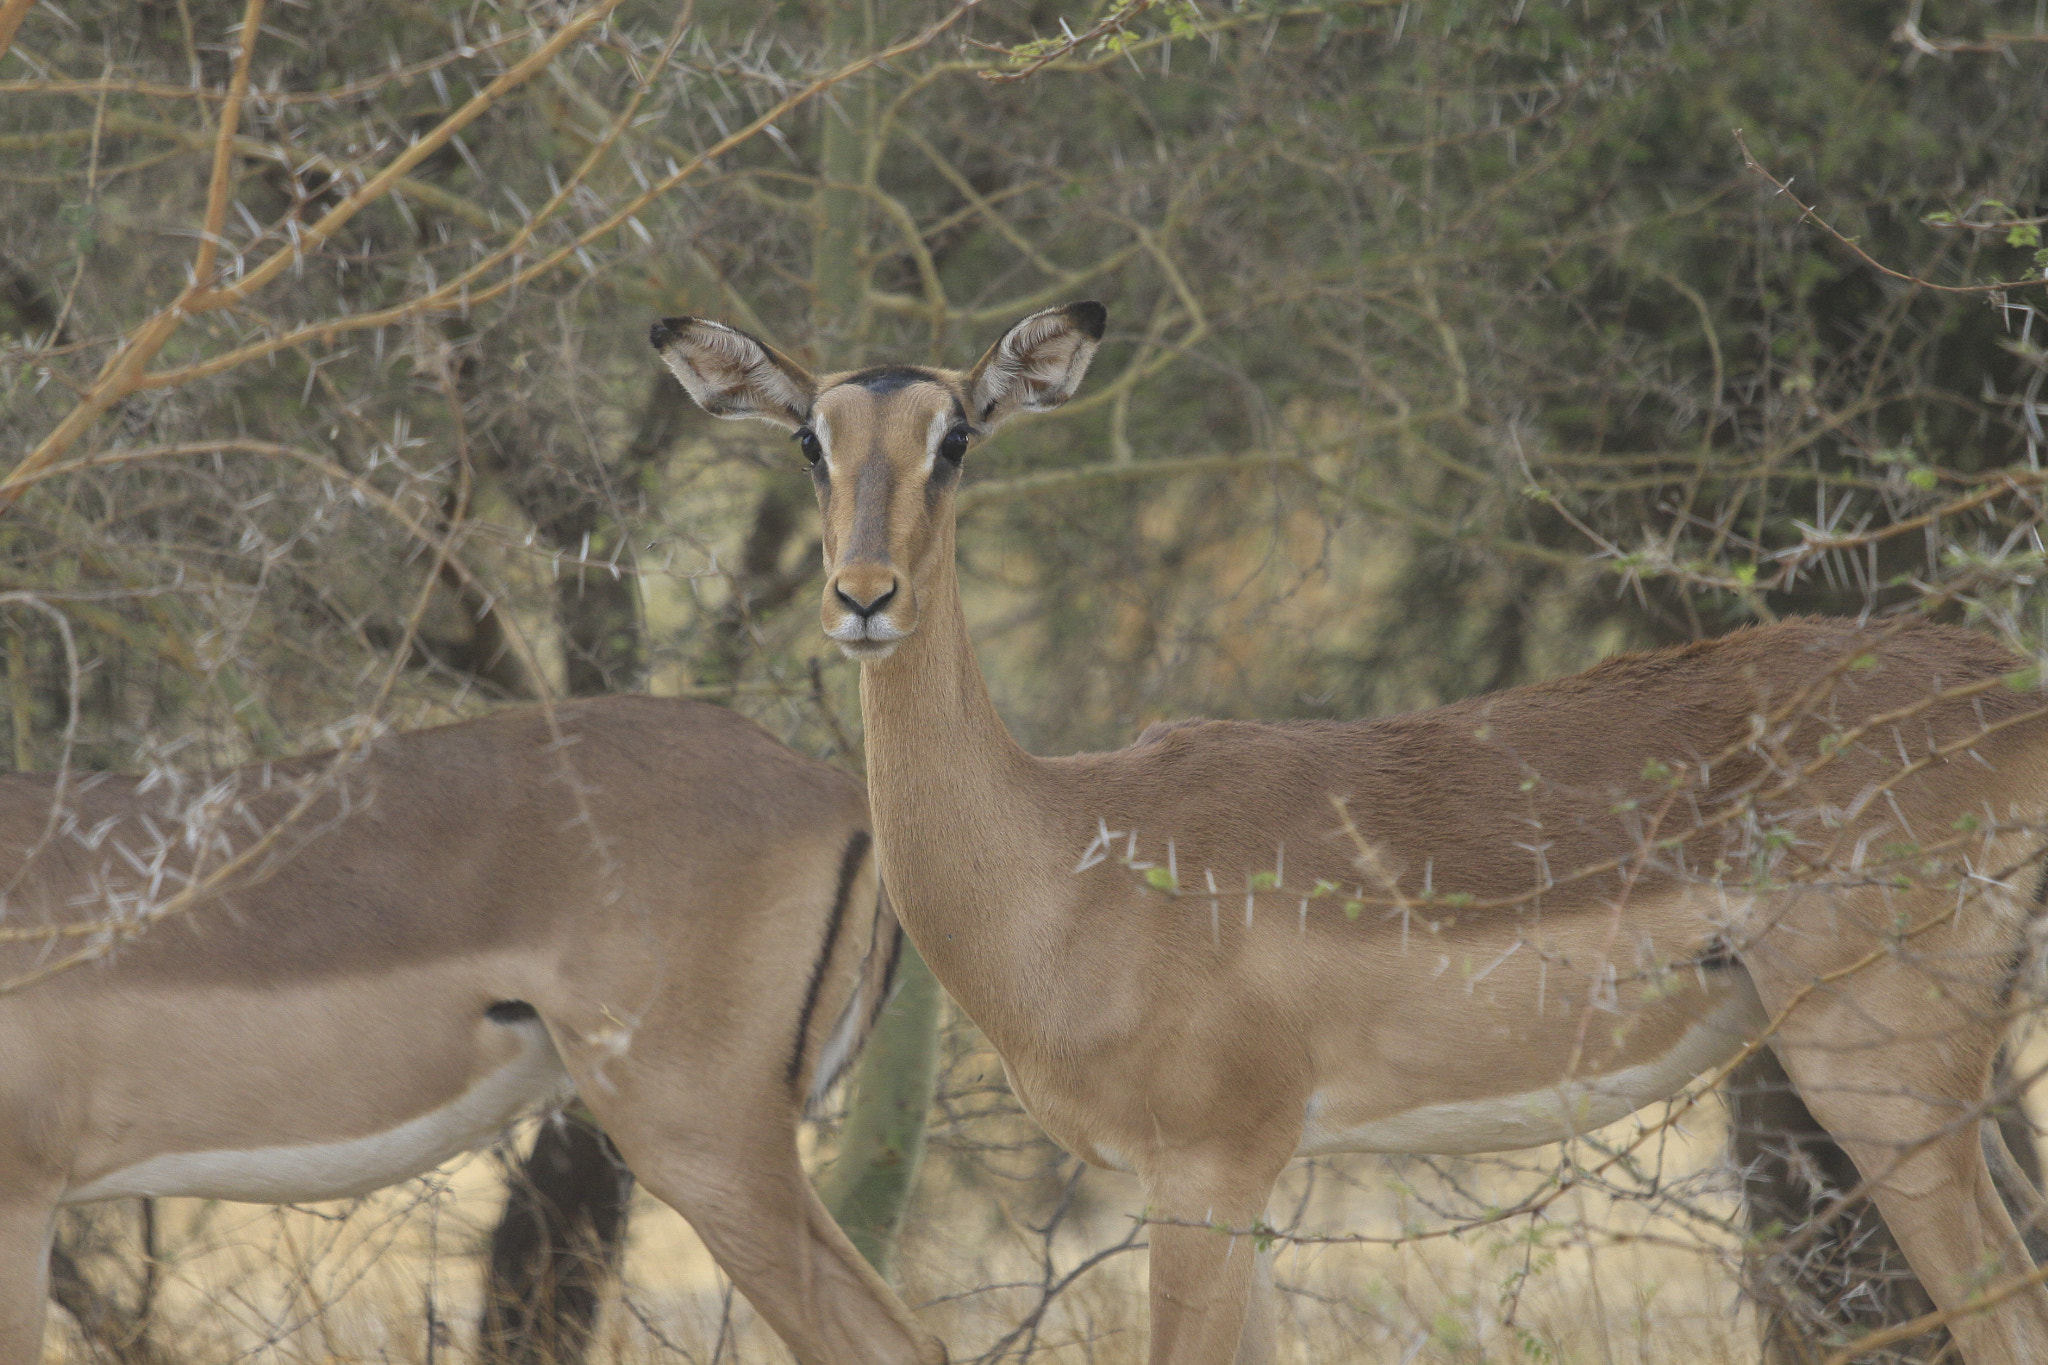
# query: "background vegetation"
[1452,345]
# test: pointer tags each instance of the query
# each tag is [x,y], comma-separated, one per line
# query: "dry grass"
[1597,1280]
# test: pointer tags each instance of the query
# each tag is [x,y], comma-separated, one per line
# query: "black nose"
[665,331]
[865,611]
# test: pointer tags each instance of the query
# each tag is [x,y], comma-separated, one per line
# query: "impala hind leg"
[1895,1067]
[755,1210]
[720,1149]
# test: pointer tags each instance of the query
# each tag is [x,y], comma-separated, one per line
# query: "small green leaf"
[1745,574]
[1656,770]
[1863,661]
[2023,234]
[1161,879]
[1265,881]
[1352,909]
[1923,477]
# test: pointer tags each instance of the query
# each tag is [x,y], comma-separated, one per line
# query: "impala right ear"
[1037,365]
[732,375]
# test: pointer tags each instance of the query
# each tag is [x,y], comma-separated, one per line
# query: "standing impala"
[648,902]
[1488,926]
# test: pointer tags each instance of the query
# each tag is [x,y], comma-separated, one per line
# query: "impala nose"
[869,607]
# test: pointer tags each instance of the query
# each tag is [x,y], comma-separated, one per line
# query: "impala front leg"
[26,1220]
[1204,1279]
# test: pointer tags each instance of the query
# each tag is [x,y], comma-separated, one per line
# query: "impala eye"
[953,444]
[807,441]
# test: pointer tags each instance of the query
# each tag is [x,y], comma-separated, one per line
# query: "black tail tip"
[1090,316]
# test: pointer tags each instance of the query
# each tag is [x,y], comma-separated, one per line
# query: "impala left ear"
[730,374]
[1037,365]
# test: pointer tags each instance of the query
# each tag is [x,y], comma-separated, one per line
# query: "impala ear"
[732,375]
[1037,365]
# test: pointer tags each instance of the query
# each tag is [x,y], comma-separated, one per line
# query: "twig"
[1809,214]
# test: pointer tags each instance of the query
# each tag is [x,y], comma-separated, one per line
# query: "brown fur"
[1468,907]
[654,877]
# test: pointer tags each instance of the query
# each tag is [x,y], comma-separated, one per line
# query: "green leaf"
[1265,881]
[1923,477]
[1161,879]
[2023,234]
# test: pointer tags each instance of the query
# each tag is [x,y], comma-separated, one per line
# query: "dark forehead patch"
[889,378]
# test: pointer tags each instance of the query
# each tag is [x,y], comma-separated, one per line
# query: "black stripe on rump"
[849,868]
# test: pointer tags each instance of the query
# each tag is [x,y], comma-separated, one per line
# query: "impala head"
[884,446]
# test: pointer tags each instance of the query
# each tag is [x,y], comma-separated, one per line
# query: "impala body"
[1482,927]
[647,902]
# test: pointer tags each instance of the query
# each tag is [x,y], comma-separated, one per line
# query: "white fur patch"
[352,1166]
[1508,1122]
[822,429]
[941,423]
[837,1053]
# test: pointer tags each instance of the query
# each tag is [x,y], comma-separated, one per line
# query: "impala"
[398,949]
[1487,926]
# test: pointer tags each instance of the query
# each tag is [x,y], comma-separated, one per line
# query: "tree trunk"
[869,1187]
[563,1230]
[559,1240]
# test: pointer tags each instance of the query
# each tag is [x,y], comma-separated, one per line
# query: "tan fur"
[1411,930]
[654,877]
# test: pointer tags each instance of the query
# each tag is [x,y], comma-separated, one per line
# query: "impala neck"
[961,812]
